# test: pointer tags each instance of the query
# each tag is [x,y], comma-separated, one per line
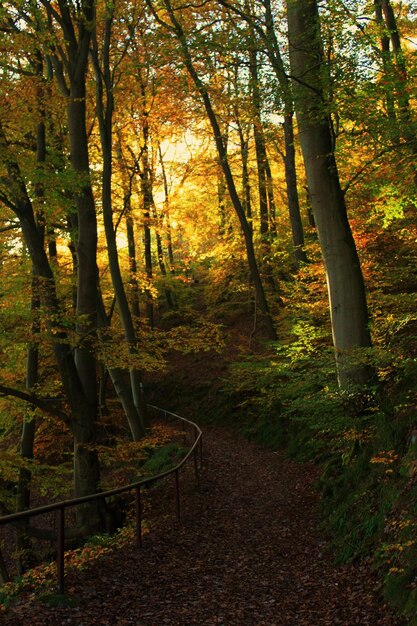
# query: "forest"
[210,206]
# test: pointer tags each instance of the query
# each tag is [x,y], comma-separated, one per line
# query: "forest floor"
[247,553]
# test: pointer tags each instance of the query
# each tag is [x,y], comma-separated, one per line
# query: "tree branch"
[45,404]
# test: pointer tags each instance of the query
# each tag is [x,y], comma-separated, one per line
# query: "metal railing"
[60,507]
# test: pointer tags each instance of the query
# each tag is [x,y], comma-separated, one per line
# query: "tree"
[76,364]
[347,299]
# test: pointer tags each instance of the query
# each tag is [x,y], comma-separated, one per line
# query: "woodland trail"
[248,553]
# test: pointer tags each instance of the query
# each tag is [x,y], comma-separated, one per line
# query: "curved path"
[247,554]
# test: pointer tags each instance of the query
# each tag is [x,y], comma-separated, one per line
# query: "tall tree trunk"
[388,70]
[133,265]
[221,200]
[86,244]
[27,439]
[265,221]
[244,134]
[32,360]
[160,254]
[127,181]
[167,221]
[147,241]
[244,152]
[70,67]
[145,174]
[86,465]
[270,196]
[292,192]
[260,148]
[105,116]
[119,377]
[348,308]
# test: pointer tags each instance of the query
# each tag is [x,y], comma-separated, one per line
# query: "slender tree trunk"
[127,181]
[265,221]
[29,423]
[224,219]
[160,254]
[32,359]
[292,192]
[244,152]
[260,149]
[86,464]
[244,147]
[133,266]
[145,174]
[388,70]
[86,245]
[270,196]
[221,200]
[167,220]
[348,308]
[119,377]
[105,116]
[131,246]
[147,241]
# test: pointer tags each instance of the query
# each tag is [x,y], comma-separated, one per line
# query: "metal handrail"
[136,486]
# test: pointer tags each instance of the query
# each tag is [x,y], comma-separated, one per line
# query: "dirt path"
[247,554]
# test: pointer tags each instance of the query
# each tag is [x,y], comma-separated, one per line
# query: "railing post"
[197,476]
[138,517]
[177,491]
[60,567]
[195,455]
